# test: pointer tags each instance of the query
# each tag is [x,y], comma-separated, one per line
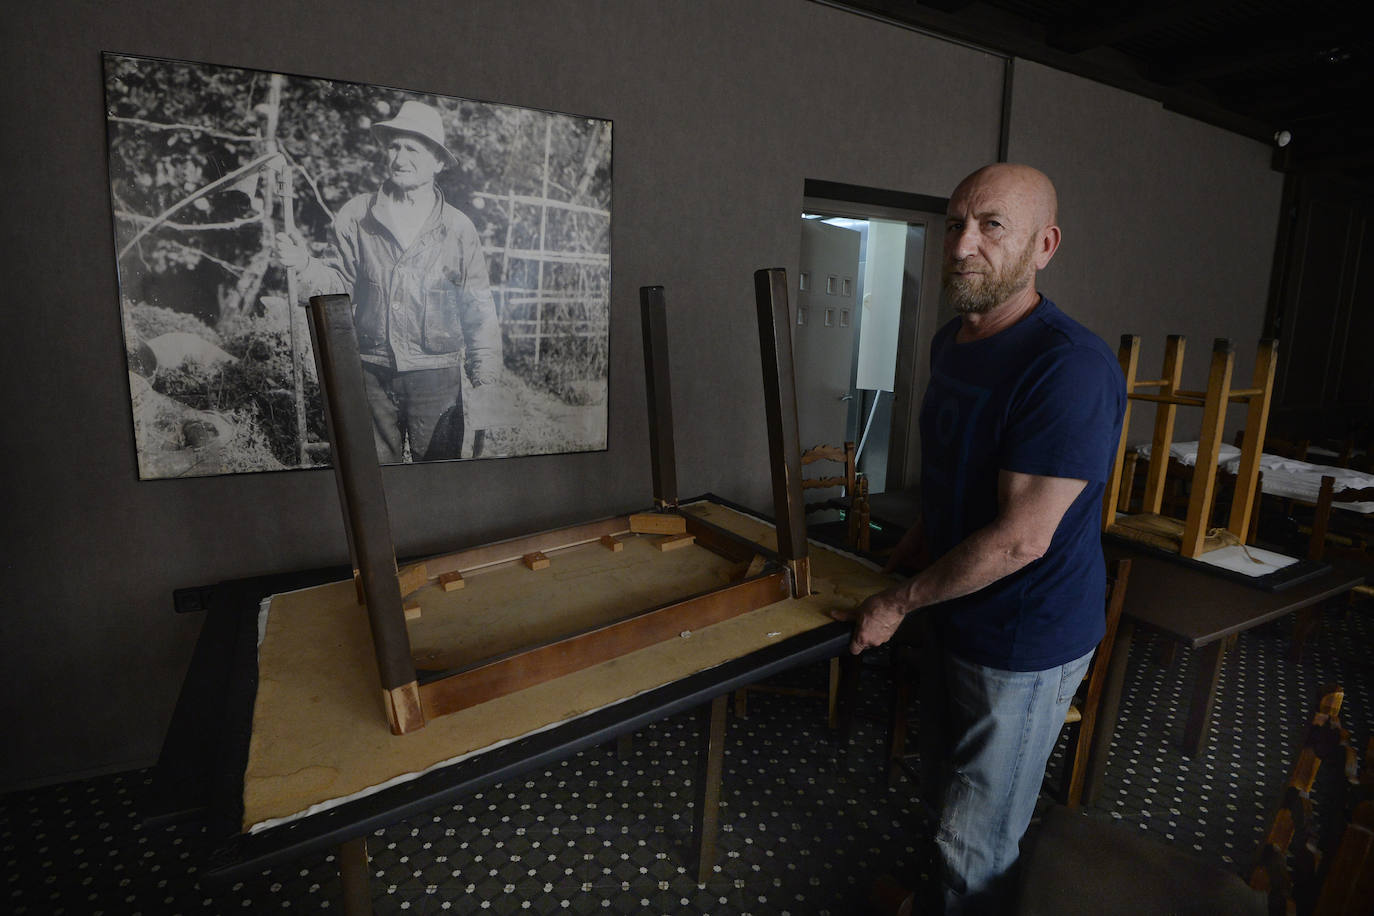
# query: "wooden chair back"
[1346,884]
[1349,886]
[844,456]
[1081,720]
[853,502]
[1079,864]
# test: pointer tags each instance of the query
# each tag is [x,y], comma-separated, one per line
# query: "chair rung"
[823,453]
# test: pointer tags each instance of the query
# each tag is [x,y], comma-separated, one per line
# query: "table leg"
[1107,711]
[710,762]
[846,702]
[832,693]
[1303,624]
[1204,696]
[353,875]
[899,703]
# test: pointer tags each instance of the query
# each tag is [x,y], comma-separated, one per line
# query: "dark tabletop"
[1201,607]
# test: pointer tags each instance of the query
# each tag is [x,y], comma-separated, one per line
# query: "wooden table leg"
[899,704]
[710,762]
[1107,711]
[1303,624]
[1204,696]
[846,702]
[832,711]
[353,875]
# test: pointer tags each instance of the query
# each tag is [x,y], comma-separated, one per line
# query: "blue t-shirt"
[1044,396]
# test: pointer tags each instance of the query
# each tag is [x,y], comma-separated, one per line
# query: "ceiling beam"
[1203,67]
[1078,36]
[1259,45]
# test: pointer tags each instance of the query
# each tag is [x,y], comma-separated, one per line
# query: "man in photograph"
[423,307]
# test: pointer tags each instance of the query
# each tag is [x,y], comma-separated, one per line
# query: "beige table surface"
[320,735]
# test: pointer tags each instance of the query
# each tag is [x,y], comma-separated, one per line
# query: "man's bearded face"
[980,288]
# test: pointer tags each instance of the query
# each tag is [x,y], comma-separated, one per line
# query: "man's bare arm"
[1030,509]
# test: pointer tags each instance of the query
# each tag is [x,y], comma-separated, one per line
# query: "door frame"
[923,309]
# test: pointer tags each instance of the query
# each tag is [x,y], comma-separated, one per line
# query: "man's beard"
[980,294]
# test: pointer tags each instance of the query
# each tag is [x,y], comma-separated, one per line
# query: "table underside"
[318,737]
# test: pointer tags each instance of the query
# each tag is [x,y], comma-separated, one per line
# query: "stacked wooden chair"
[1324,543]
[1194,534]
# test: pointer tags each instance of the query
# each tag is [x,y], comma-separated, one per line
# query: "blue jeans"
[999,730]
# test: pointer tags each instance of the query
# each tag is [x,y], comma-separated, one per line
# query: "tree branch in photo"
[195,195]
[231,267]
[310,180]
[208,131]
[191,227]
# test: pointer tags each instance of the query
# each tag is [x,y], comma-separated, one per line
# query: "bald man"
[1019,429]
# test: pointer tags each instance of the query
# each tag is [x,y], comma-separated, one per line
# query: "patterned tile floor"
[801,833]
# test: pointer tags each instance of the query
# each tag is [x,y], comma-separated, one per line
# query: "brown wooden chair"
[1325,543]
[853,502]
[1348,888]
[1346,884]
[1081,720]
[1342,535]
[1076,864]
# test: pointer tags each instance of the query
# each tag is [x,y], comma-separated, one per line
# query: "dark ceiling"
[1255,67]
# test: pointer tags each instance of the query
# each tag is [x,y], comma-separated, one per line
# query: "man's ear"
[1048,245]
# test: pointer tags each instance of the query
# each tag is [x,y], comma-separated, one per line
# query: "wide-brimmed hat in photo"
[423,121]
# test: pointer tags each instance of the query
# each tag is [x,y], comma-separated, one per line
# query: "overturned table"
[316,767]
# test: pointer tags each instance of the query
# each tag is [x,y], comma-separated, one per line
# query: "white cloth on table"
[1294,479]
[1186,452]
[1286,477]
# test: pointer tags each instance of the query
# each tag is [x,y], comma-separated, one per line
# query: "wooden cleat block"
[412,610]
[675,541]
[536,560]
[738,572]
[612,543]
[358,586]
[412,578]
[652,523]
[451,581]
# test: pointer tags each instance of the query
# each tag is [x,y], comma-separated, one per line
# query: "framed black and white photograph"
[472,237]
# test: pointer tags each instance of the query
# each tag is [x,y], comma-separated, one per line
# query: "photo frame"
[236,194]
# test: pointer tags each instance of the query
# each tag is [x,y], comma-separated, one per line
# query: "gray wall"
[721,111]
[1169,225]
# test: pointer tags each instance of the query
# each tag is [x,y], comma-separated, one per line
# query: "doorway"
[867,306]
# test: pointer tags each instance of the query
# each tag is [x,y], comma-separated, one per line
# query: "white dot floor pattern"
[802,831]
